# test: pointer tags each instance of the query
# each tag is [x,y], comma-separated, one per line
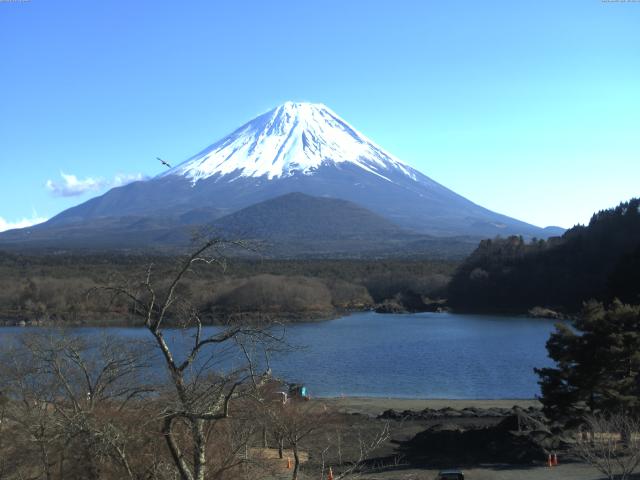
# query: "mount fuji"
[295,148]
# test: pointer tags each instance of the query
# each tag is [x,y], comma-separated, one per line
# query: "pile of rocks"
[448,412]
[519,438]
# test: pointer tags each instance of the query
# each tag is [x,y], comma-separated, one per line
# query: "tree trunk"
[176,452]
[296,461]
[46,467]
[62,463]
[199,450]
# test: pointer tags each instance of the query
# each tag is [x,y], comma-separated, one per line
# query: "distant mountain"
[299,225]
[293,225]
[600,261]
[296,147]
[296,215]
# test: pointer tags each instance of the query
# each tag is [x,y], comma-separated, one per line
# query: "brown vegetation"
[611,444]
[78,409]
[52,289]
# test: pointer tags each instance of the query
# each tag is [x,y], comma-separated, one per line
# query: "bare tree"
[202,385]
[293,422]
[65,395]
[611,444]
[366,445]
[310,429]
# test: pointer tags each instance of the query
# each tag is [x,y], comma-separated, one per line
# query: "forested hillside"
[599,261]
[54,288]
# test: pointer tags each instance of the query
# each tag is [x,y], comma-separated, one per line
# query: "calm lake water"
[425,355]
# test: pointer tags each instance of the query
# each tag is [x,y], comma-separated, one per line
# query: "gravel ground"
[561,472]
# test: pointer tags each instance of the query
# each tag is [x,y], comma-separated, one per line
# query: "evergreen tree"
[597,364]
[598,261]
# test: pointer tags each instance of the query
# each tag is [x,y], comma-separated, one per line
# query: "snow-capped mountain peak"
[294,138]
[294,149]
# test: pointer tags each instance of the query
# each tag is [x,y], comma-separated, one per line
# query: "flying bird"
[163,162]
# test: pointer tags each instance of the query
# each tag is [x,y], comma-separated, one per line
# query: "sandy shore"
[376,405]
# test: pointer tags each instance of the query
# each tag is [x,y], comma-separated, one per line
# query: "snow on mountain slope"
[294,148]
[292,138]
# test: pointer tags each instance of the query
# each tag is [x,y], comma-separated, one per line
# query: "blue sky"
[531,109]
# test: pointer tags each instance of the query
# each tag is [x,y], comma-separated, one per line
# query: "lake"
[424,355]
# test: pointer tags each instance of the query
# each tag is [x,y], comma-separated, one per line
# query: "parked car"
[451,475]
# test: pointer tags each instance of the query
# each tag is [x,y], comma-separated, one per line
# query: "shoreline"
[135,322]
[287,318]
[376,405]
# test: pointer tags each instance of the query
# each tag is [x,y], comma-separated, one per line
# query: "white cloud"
[25,222]
[124,178]
[72,186]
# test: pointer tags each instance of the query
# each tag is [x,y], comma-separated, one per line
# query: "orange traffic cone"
[289,463]
[549,461]
[554,460]
[330,476]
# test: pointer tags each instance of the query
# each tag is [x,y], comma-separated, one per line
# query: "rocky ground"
[374,406]
[487,439]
